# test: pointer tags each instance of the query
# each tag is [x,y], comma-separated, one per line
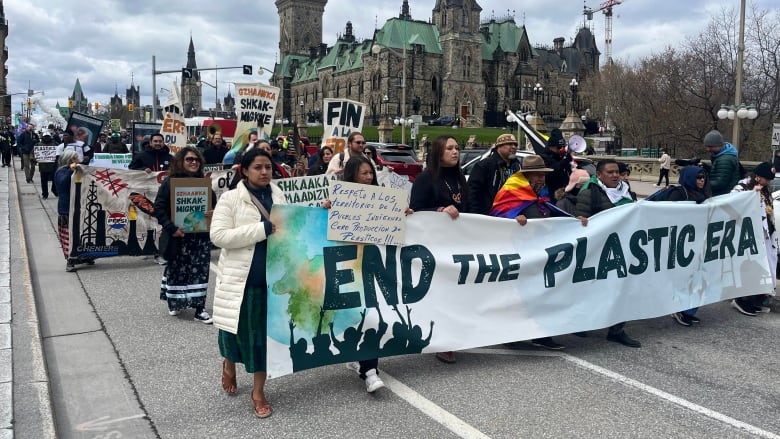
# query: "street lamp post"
[375,49]
[301,104]
[216,97]
[385,100]
[736,113]
[573,86]
[538,90]
[738,89]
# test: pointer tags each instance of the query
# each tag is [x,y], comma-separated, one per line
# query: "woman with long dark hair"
[323,159]
[240,227]
[185,280]
[441,187]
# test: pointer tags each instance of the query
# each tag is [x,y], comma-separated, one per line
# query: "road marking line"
[438,414]
[637,385]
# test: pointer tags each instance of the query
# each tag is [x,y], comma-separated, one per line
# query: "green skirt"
[248,345]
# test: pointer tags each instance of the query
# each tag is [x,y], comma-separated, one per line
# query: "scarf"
[617,195]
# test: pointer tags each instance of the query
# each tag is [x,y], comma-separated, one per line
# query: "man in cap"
[604,191]
[525,196]
[725,173]
[556,158]
[491,173]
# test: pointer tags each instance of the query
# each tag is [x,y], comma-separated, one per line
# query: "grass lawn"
[485,136]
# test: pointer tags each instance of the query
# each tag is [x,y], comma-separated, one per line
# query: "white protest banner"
[340,118]
[113,161]
[255,108]
[366,213]
[45,153]
[776,136]
[306,191]
[479,281]
[173,128]
[111,211]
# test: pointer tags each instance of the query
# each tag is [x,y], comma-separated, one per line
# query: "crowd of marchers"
[551,184]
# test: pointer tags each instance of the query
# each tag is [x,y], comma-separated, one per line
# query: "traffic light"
[29,103]
[97,106]
[130,107]
[70,103]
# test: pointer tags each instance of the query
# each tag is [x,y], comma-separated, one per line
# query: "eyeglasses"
[368,151]
[357,142]
[191,159]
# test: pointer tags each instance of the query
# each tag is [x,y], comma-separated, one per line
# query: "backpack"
[665,193]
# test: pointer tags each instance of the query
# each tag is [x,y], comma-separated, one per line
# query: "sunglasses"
[701,177]
[191,159]
[358,142]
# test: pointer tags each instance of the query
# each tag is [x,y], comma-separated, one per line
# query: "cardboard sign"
[173,128]
[190,200]
[365,213]
[45,153]
[341,118]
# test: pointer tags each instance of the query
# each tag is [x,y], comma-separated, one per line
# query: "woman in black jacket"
[442,186]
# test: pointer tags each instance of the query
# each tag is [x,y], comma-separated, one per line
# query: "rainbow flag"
[517,194]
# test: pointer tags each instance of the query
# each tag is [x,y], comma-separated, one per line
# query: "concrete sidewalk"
[24,383]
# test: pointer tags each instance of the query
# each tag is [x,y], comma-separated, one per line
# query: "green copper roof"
[77,89]
[506,34]
[416,32]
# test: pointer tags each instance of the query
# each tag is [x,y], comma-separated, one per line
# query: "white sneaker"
[159,260]
[203,317]
[373,382]
[174,312]
[353,365]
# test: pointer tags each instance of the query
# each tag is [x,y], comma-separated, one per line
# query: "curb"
[39,372]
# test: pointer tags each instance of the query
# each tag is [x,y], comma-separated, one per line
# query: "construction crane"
[607,8]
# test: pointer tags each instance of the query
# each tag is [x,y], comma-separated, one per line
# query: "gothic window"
[360,87]
[338,89]
[524,54]
[465,19]
[564,66]
[444,17]
[434,85]
[467,66]
[349,89]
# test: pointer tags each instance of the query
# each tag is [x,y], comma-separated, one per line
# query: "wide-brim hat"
[534,163]
[505,139]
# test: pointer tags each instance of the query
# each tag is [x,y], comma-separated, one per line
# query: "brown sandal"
[228,382]
[262,409]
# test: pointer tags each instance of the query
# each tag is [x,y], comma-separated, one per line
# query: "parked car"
[398,156]
[468,165]
[444,121]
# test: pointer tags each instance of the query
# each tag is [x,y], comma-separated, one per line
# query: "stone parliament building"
[457,63]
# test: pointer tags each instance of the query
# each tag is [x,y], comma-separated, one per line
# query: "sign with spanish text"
[255,110]
[366,213]
[190,200]
[479,281]
[113,161]
[340,118]
[173,128]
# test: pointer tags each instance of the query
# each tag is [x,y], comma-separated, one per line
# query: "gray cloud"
[104,42]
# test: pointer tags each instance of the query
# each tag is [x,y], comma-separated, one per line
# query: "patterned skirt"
[248,345]
[186,277]
[62,228]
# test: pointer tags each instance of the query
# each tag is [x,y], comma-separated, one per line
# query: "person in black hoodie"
[156,157]
[490,174]
[558,160]
[693,187]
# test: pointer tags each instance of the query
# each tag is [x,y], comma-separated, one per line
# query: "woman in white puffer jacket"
[240,226]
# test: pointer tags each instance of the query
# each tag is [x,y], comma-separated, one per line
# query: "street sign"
[247,69]
[776,136]
[186,73]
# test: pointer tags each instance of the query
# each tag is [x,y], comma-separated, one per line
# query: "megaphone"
[577,144]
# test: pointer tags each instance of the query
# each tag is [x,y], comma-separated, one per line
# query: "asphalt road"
[120,367]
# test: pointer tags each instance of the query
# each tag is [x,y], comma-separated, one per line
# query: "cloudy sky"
[109,43]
